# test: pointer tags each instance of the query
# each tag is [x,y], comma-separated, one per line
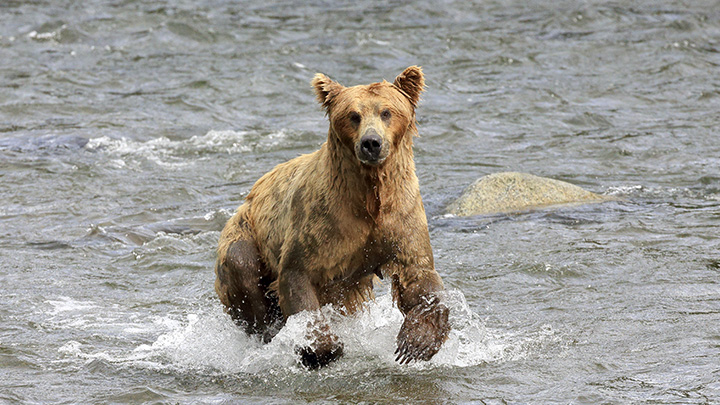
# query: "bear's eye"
[355,118]
[385,115]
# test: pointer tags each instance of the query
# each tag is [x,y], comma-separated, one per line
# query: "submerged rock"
[512,192]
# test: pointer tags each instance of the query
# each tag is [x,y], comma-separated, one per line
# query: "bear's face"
[371,120]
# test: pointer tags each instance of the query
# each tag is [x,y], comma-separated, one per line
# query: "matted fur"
[326,224]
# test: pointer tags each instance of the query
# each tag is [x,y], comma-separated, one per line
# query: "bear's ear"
[325,89]
[411,82]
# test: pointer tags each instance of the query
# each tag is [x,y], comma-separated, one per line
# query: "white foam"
[201,343]
[159,151]
[67,304]
[209,342]
[666,193]
[174,154]
[93,317]
[223,213]
[221,141]
[624,190]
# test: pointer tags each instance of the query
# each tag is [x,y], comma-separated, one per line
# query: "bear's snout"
[370,148]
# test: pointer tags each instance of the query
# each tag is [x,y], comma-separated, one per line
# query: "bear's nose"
[371,146]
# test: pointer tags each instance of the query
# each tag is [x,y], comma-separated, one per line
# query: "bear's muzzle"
[371,149]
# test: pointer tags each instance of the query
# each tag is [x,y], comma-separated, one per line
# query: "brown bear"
[319,228]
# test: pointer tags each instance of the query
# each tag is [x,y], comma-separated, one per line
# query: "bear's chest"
[349,282]
[355,256]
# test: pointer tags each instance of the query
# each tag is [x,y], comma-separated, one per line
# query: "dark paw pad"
[315,358]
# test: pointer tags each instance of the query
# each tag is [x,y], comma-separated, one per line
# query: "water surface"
[130,131]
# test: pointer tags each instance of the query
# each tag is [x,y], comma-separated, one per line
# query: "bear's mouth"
[370,160]
[373,163]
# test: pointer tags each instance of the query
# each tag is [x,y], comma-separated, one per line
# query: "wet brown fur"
[324,225]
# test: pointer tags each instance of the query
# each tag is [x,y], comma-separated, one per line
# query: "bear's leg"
[242,284]
[426,326]
[297,293]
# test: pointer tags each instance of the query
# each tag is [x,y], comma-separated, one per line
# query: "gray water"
[130,131]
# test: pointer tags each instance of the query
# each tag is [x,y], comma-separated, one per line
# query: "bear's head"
[371,120]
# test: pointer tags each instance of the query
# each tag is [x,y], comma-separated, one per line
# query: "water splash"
[209,342]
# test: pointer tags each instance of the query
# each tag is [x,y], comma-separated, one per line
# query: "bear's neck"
[370,190]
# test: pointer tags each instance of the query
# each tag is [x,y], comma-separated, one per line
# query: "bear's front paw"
[313,359]
[324,349]
[425,329]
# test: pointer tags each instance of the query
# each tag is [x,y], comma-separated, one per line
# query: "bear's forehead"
[382,89]
[372,95]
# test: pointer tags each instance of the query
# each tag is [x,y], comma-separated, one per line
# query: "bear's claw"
[425,329]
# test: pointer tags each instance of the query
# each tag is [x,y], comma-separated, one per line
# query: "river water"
[130,131]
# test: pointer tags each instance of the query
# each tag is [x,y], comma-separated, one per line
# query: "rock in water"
[512,192]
